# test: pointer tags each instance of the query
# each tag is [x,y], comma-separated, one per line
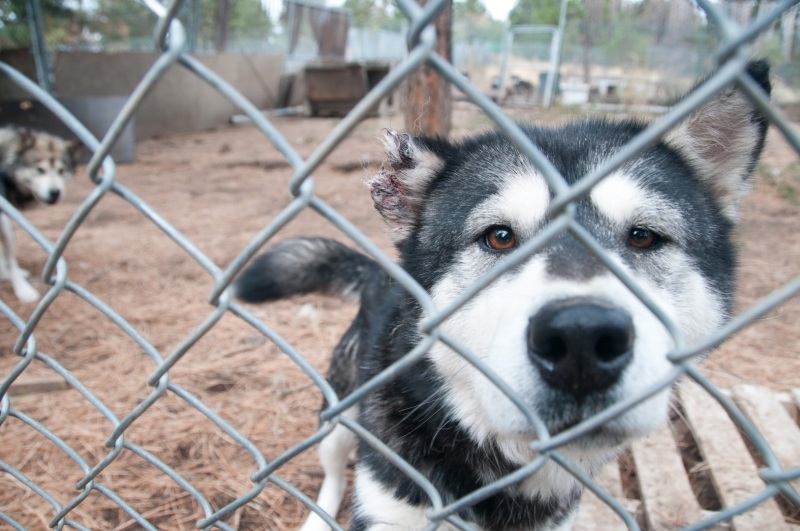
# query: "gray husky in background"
[559,329]
[34,168]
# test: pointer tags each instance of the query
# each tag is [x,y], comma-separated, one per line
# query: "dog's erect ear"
[400,186]
[723,139]
[26,139]
[74,148]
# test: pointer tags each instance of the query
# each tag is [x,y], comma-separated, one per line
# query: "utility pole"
[555,57]
[44,73]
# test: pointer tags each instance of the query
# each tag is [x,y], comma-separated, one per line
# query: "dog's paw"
[24,291]
[5,274]
[315,523]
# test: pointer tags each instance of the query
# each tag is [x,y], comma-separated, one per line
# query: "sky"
[498,9]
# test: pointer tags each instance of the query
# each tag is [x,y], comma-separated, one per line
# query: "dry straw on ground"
[220,188]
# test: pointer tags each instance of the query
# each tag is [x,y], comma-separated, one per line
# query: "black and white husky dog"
[559,329]
[34,169]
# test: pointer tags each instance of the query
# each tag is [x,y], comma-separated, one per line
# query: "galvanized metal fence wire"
[170,37]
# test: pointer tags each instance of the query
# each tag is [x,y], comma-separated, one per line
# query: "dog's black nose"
[53,196]
[580,346]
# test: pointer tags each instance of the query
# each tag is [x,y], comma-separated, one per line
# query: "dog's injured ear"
[401,184]
[723,139]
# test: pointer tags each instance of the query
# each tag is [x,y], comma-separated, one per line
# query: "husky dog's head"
[563,332]
[38,164]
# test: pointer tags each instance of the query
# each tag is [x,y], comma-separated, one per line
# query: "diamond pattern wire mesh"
[170,36]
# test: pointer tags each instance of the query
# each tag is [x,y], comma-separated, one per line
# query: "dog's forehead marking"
[618,198]
[625,202]
[521,202]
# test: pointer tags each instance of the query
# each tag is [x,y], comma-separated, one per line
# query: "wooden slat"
[732,468]
[594,514]
[764,409]
[669,502]
[29,386]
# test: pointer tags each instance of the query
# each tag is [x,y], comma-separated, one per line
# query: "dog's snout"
[53,195]
[580,346]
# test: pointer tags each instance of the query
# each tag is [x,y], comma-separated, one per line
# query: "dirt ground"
[219,189]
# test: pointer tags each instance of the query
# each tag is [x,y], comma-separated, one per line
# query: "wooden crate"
[685,472]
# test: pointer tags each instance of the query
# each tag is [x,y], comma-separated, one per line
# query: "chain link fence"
[170,37]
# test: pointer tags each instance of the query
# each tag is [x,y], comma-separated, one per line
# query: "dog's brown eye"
[42,171]
[643,238]
[500,238]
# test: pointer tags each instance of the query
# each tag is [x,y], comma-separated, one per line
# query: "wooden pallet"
[35,385]
[655,487]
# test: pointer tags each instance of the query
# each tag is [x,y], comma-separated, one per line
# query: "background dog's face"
[563,332]
[43,165]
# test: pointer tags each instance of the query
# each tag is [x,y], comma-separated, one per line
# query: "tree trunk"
[788,27]
[429,105]
[764,6]
[586,51]
[221,33]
